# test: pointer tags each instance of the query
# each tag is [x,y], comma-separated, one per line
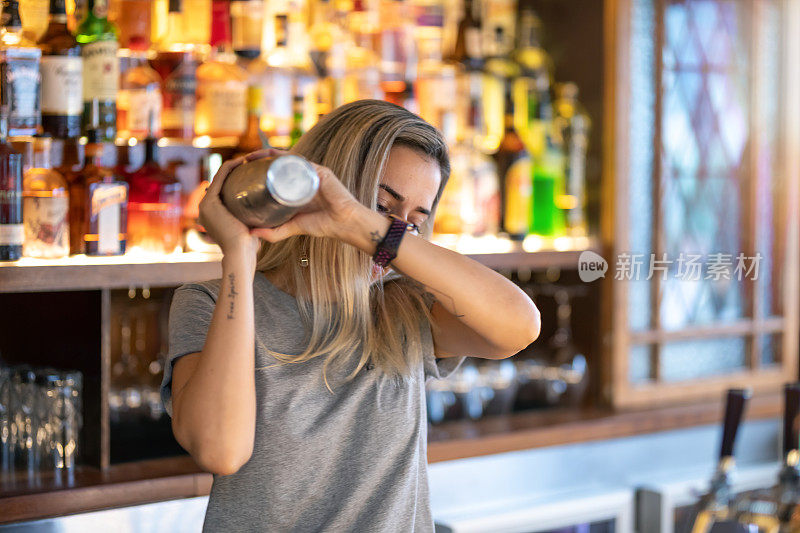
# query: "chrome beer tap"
[776,510]
[715,505]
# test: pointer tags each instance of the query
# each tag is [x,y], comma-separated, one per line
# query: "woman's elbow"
[528,327]
[222,462]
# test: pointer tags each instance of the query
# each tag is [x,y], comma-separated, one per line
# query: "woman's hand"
[225,229]
[325,216]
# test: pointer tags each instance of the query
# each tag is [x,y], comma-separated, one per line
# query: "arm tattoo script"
[231,294]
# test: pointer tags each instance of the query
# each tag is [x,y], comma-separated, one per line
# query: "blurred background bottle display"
[45,206]
[20,73]
[62,76]
[99,46]
[229,77]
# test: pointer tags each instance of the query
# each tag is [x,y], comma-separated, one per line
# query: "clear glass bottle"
[139,97]
[221,84]
[45,206]
[20,74]
[98,201]
[272,72]
[98,39]
[154,206]
[572,125]
[182,22]
[11,229]
[62,76]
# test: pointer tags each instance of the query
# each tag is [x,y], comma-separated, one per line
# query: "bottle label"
[106,204]
[11,234]
[62,85]
[100,9]
[100,71]
[518,189]
[224,105]
[21,75]
[472,43]
[179,100]
[46,229]
[135,107]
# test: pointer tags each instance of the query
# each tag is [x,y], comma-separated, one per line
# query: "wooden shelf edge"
[121,486]
[74,274]
[523,431]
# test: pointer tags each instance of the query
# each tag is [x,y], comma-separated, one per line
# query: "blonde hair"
[340,306]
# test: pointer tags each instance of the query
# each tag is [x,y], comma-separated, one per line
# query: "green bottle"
[98,39]
[547,218]
[297,122]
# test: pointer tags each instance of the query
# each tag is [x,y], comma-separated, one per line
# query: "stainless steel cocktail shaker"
[267,192]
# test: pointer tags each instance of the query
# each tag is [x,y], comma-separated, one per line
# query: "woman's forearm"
[485,301]
[215,411]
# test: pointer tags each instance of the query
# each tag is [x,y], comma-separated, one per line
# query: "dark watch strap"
[386,250]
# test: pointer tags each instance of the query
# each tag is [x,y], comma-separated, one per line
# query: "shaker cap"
[292,181]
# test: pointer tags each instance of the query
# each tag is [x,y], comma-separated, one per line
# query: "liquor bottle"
[499,75]
[247,23]
[572,125]
[252,139]
[69,157]
[62,76]
[34,14]
[98,201]
[154,206]
[397,49]
[532,86]
[297,118]
[139,97]
[182,24]
[11,229]
[514,172]
[362,77]
[272,72]
[98,39]
[133,19]
[45,206]
[499,26]
[327,50]
[178,69]
[547,218]
[221,84]
[20,73]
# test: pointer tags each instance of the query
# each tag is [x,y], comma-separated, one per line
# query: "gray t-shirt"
[355,460]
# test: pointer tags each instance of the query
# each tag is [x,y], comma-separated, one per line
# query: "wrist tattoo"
[375,236]
[231,294]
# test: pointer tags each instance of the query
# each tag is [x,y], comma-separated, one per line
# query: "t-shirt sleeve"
[435,367]
[189,318]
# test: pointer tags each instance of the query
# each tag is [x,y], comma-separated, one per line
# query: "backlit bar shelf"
[136,269]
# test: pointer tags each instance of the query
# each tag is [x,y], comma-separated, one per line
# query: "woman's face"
[409,185]
[408,188]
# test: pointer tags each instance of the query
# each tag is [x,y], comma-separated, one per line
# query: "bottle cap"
[292,181]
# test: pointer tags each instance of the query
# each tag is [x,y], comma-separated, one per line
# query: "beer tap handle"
[734,410]
[791,418]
